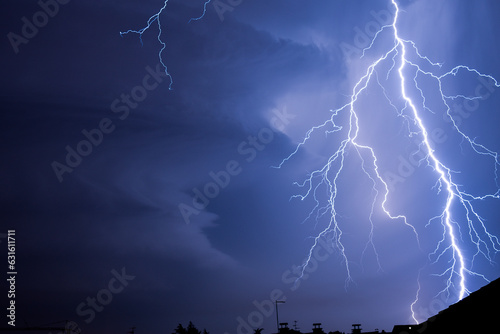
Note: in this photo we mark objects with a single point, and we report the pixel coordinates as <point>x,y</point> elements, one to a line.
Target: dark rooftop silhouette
<point>474,314</point>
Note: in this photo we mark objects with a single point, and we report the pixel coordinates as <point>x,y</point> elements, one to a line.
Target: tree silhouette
<point>258,331</point>
<point>180,330</point>
<point>190,329</point>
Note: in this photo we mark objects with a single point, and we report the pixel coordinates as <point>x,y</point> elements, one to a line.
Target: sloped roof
<point>477,313</point>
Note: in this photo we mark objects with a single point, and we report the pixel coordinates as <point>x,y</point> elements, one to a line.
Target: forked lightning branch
<point>404,64</point>
<point>403,57</point>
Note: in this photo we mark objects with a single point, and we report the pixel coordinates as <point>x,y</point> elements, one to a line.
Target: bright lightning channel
<point>328,176</point>
<point>457,269</point>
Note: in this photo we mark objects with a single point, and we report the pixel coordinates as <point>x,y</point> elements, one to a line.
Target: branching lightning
<point>448,249</point>
<point>156,18</point>
<point>151,20</point>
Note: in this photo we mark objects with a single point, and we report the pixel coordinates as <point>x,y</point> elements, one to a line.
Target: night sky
<point>161,206</point>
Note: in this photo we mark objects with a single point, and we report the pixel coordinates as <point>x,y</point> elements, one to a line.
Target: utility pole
<point>277,320</point>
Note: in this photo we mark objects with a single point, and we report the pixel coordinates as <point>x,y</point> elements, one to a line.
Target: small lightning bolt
<point>156,18</point>
<point>458,266</point>
<point>204,12</point>
<point>151,20</point>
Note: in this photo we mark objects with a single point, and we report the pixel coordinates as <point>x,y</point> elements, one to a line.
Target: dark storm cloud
<point>118,206</point>
<point>78,81</point>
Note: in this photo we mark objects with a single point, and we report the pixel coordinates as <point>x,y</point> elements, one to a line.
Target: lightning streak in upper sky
<point>151,20</point>
<point>448,249</point>
<point>156,18</point>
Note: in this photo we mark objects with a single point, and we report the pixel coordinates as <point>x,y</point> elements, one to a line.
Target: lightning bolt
<point>202,14</point>
<point>156,18</point>
<point>448,249</point>
<point>151,20</point>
